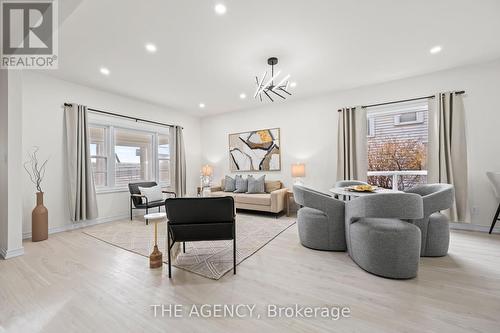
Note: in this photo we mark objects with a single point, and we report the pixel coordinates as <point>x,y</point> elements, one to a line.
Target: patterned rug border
<point>187,270</point>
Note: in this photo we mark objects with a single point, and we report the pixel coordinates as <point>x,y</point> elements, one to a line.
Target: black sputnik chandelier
<point>266,85</point>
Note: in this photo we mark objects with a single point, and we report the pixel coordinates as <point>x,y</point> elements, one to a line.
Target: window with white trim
<point>122,154</point>
<point>397,154</point>
<point>163,159</point>
<point>409,118</point>
<point>133,156</point>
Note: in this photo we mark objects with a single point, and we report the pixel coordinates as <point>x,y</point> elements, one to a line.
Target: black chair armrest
<point>169,192</point>
<point>139,196</point>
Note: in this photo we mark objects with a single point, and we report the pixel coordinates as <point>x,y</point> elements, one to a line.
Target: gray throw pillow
<point>229,184</point>
<point>256,185</point>
<point>241,184</point>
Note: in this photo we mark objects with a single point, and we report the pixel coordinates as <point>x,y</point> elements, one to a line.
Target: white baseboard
<point>472,227</point>
<point>78,225</point>
<point>82,224</point>
<point>7,254</point>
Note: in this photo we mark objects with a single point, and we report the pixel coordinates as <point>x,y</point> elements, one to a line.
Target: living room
<point>194,96</point>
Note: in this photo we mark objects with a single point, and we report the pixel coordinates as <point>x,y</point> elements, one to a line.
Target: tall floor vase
<point>39,220</point>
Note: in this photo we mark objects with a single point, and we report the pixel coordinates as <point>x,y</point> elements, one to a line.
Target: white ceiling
<point>325,45</point>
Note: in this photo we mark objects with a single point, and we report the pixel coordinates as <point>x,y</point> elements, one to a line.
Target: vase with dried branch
<point>40,214</point>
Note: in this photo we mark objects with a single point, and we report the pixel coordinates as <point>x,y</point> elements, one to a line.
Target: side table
<point>202,191</point>
<point>288,196</point>
<point>156,257</point>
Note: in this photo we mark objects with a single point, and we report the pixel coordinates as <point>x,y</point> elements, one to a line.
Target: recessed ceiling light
<point>220,9</point>
<point>202,105</point>
<point>436,49</point>
<point>151,48</point>
<point>293,84</point>
<point>105,71</point>
<point>243,96</point>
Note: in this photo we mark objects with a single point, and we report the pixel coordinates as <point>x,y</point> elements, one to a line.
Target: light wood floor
<point>75,283</point>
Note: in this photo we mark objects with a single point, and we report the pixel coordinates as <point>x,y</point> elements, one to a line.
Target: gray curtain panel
<point>82,196</point>
<point>447,161</point>
<point>352,151</point>
<point>179,160</point>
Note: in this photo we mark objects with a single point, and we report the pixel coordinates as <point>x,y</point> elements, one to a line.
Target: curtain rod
<point>406,100</point>
<point>126,117</point>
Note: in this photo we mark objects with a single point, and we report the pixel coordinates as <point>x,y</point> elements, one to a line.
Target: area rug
<point>211,259</point>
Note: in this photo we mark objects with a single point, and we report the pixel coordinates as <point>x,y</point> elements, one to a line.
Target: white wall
<point>43,97</point>
<point>309,128</point>
<point>10,164</point>
<point>4,107</point>
<point>4,176</point>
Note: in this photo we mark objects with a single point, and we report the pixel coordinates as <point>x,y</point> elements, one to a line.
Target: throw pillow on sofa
<point>241,184</point>
<point>272,185</point>
<point>256,185</point>
<point>229,184</point>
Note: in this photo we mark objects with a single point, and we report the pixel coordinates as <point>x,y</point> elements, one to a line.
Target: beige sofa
<point>272,201</point>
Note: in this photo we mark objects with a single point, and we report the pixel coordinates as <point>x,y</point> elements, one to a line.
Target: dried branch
<point>35,171</point>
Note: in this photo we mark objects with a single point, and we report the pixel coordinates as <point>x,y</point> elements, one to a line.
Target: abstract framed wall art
<point>255,150</point>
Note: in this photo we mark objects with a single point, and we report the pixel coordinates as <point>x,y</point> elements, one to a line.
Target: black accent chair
<point>200,219</point>
<point>139,201</point>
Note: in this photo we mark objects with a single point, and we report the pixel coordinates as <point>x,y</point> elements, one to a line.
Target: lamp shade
<point>298,170</point>
<point>207,170</point>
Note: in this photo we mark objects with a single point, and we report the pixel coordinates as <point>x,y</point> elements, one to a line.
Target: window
<point>409,118</point>
<point>397,154</point>
<point>98,156</point>
<point>164,158</point>
<point>121,155</point>
<point>133,156</point>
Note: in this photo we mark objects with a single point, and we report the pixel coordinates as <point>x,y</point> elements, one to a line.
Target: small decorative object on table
<point>362,188</point>
<point>156,257</point>
<point>40,214</point>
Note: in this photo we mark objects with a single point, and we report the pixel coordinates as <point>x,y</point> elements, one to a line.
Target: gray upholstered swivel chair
<point>344,183</point>
<point>494,178</point>
<point>378,238</point>
<point>320,220</point>
<point>434,226</point>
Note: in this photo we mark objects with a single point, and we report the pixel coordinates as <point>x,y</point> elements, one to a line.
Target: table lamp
<point>206,175</point>
<point>298,172</point>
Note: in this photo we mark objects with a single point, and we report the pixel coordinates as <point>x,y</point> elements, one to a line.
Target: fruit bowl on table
<point>362,188</point>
